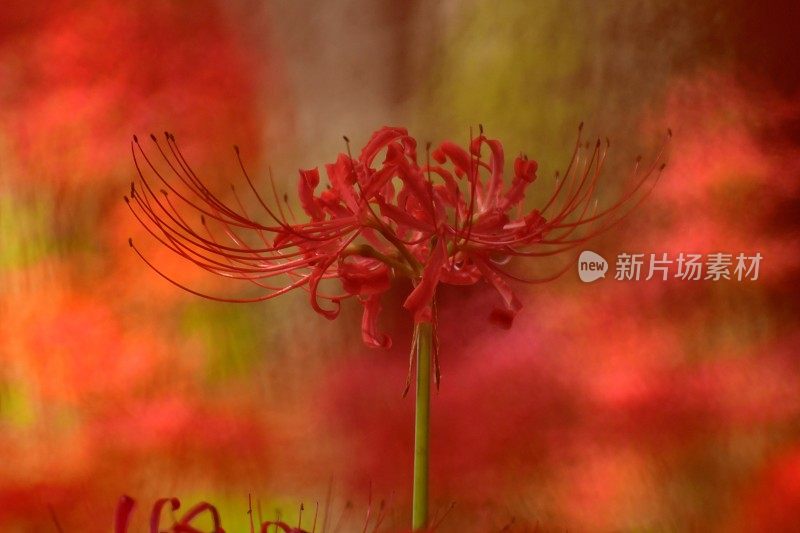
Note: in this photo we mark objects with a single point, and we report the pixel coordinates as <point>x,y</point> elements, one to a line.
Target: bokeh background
<point>608,407</point>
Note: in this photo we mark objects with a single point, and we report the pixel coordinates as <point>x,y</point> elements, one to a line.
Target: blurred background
<point>608,407</point>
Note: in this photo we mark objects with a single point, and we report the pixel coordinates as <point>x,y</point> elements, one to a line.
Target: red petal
<point>342,176</point>
<point>369,324</point>
<point>456,154</point>
<point>364,277</point>
<point>501,316</point>
<point>122,515</point>
<point>418,302</point>
<point>524,175</point>
<point>379,140</point>
<point>309,179</point>
<point>496,163</point>
<point>316,277</point>
<point>155,515</point>
<point>401,217</point>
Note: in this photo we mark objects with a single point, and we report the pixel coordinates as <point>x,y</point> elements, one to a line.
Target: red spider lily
<point>183,525</point>
<point>452,220</point>
<point>126,506</point>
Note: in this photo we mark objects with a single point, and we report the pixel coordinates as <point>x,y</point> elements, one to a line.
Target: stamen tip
<point>130,242</point>
<point>580,126</point>
<point>153,136</point>
<point>164,192</point>
<point>236,148</point>
<point>669,133</point>
<point>480,128</point>
<point>346,138</point>
<point>662,167</point>
<point>638,158</point>
<point>135,139</point>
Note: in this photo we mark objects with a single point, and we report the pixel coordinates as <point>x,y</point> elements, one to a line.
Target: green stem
<point>419,510</point>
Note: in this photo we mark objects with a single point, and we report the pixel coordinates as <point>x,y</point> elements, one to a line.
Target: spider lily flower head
<point>451,216</point>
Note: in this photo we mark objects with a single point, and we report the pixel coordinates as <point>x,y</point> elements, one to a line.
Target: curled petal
<point>122,515</point>
<point>379,140</point>
<point>524,175</point>
<point>529,229</point>
<point>460,158</point>
<point>525,168</point>
<point>496,163</point>
<point>309,179</point>
<point>184,524</point>
<point>369,324</point>
<point>417,186</point>
<point>158,507</point>
<point>341,175</point>
<point>403,218</point>
<point>316,277</point>
<point>378,180</point>
<point>364,276</point>
<point>502,316</point>
<point>419,301</point>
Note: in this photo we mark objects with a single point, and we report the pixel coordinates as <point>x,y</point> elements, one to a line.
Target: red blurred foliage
<point>82,77</point>
<point>102,398</point>
<point>105,403</point>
